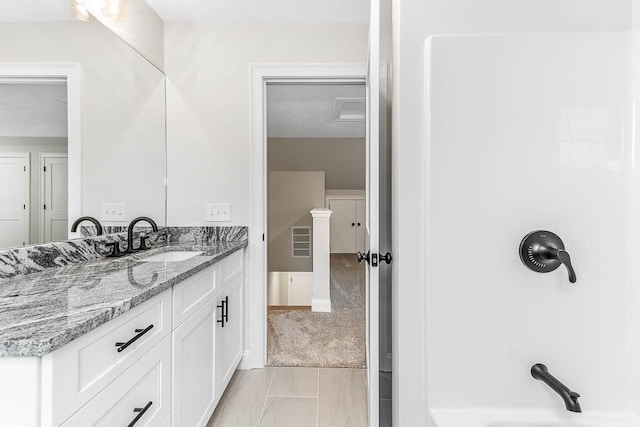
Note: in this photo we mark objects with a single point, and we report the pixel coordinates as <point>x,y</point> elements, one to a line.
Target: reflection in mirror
<point>33,160</point>
<point>82,126</point>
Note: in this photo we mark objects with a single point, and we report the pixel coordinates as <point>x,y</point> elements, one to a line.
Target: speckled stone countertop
<point>43,311</point>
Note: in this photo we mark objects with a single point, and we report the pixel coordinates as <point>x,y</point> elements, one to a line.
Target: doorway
<point>316,162</point>
<point>33,160</point>
<point>376,206</point>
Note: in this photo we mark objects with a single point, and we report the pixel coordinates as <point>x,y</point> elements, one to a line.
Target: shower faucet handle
<point>543,251</point>
<point>563,257</point>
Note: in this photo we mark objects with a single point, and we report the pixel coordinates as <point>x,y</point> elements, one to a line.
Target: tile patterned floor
<point>300,397</point>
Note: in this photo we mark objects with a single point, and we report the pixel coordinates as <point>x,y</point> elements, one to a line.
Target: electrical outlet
<point>113,212</point>
<point>218,212</point>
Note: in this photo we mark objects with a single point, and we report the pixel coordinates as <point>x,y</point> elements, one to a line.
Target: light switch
<point>218,212</point>
<point>113,212</point>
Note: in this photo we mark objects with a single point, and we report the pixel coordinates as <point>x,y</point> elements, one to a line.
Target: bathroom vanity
<point>151,339</point>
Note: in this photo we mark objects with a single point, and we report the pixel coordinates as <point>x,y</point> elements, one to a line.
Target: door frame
<point>51,72</point>
<point>41,211</point>
<point>255,355</point>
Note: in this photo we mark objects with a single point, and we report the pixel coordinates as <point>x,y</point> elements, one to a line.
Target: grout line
<point>318,399</point>
<point>264,405</point>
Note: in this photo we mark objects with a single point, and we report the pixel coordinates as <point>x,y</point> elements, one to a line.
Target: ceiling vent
<point>349,110</point>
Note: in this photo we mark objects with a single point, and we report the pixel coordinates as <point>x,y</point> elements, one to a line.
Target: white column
<point>321,300</point>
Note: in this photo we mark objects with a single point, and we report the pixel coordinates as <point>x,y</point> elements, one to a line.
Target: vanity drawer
<point>85,366</point>
<point>146,384</point>
<point>231,266</point>
<point>190,295</point>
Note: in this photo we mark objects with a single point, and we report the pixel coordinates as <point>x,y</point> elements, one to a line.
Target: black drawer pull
<point>221,307</point>
<point>139,332</point>
<point>140,412</point>
<point>226,309</point>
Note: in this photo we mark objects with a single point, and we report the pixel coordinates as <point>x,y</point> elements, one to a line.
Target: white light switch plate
<point>113,212</point>
<point>218,212</point>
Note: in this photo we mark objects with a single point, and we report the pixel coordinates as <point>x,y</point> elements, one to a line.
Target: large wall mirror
<point>82,125</point>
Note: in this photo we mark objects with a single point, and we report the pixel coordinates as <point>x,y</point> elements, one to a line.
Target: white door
<point>342,226</point>
<point>373,212</point>
<point>14,199</point>
<point>55,197</point>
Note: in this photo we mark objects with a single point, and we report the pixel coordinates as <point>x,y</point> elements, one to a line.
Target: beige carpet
<point>323,340</point>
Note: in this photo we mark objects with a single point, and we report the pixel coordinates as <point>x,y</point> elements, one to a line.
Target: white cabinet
<point>207,346</point>
<point>165,362</point>
<point>229,348</point>
<point>75,373</point>
<point>347,225</point>
<point>194,347</point>
<point>142,393</point>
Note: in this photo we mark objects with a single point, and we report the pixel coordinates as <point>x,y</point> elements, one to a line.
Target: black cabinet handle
<point>139,332</point>
<point>140,412</point>
<point>222,306</point>
<point>386,258</point>
<point>226,309</point>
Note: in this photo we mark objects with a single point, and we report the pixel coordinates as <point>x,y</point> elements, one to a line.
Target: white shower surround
<point>532,132</point>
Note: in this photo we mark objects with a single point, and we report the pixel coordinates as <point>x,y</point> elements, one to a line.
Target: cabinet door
<point>142,392</point>
<point>229,346</point>
<point>194,391</point>
<point>360,225</point>
<point>343,226</point>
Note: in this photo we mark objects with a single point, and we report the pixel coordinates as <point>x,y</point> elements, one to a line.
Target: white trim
<point>261,74</point>
<point>321,213</point>
<point>42,197</point>
<point>321,305</point>
<point>70,72</point>
<point>327,199</point>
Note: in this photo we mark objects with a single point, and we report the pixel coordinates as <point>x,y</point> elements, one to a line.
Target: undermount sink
<point>172,256</point>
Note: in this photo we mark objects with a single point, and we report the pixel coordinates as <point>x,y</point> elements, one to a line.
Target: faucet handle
<point>563,257</point>
<point>115,251</point>
<point>143,245</point>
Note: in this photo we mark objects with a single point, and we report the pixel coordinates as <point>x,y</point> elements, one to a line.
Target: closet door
<point>343,226</point>
<point>360,225</point>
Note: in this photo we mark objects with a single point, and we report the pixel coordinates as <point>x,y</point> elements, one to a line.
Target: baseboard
<point>321,305</point>
<point>245,362</point>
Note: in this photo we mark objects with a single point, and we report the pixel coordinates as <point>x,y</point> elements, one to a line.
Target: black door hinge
<point>45,206</point>
<point>45,168</point>
<point>263,237</point>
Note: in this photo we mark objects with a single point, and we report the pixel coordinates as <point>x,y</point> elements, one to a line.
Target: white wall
<point>532,132</point>
<point>142,28</point>
<point>34,146</point>
<point>122,111</point>
<point>341,159</point>
<point>209,103</point>
<point>291,196</point>
<point>414,21</point>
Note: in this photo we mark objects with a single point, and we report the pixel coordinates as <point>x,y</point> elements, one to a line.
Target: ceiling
<point>35,11</point>
<point>33,110</point>
<point>278,11</point>
<point>315,111</point>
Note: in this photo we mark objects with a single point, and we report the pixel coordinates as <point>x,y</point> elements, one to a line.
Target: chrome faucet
<point>143,246</point>
<point>95,222</point>
<point>570,398</point>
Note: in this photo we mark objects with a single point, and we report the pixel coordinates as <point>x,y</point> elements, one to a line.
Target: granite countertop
<point>43,311</point>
